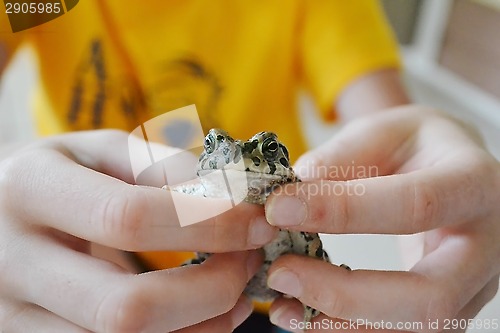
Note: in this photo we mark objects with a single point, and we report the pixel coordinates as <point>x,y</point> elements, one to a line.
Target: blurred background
<point>451,54</point>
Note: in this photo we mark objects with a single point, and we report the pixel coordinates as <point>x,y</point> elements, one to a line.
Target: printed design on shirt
<point>93,89</point>
<point>186,81</point>
<point>179,82</point>
<point>90,74</point>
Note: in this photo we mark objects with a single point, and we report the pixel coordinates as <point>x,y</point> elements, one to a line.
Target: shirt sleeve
<point>339,42</point>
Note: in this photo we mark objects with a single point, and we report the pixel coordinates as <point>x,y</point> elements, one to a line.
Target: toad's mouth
<point>242,173</point>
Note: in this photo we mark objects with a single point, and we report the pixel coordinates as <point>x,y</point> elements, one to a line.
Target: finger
<point>384,143</point>
<point>343,298</point>
<point>397,204</point>
<point>356,149</point>
<point>436,288</point>
<point>119,154</point>
<point>288,314</point>
<point>105,151</point>
<point>193,294</point>
<point>475,305</point>
<point>21,318</point>
<point>226,322</point>
<point>116,301</point>
<point>102,209</point>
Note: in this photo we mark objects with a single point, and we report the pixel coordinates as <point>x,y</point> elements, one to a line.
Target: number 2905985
<point>33,8</point>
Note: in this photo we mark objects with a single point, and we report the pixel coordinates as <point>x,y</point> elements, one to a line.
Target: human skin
<point>44,252</point>
<point>59,195</point>
<point>435,177</point>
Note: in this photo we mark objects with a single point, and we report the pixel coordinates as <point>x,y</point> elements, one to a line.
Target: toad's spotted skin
<point>265,163</point>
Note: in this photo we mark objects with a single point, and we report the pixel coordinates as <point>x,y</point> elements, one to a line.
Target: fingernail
<point>285,211</point>
<point>261,232</point>
<point>241,311</point>
<point>285,281</point>
<point>283,317</point>
<point>254,262</point>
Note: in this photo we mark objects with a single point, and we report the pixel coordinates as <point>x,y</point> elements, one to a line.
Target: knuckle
<point>441,305</point>
<point>126,311</point>
<point>425,206</point>
<point>234,281</point>
<point>480,163</point>
<point>340,213</point>
<point>222,225</point>
<point>121,220</point>
<point>360,125</point>
<point>11,315</point>
<point>5,314</point>
<point>479,174</point>
<point>311,165</point>
<point>333,305</point>
<point>491,289</point>
<point>16,172</point>
<point>132,315</point>
<point>113,135</point>
<point>234,288</point>
<point>230,299</point>
<point>218,231</point>
<point>5,266</point>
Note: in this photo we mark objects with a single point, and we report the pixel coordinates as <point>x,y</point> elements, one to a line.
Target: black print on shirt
<point>93,65</point>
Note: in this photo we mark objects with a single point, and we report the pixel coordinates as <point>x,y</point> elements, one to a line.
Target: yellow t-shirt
<point>115,64</point>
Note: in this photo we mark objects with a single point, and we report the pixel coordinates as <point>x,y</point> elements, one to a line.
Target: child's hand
<point>58,195</point>
<point>438,179</point>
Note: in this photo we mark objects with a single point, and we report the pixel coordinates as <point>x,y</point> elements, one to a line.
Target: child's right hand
<point>60,194</point>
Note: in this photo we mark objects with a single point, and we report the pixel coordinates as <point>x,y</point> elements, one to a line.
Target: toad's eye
<point>270,149</point>
<point>209,144</point>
